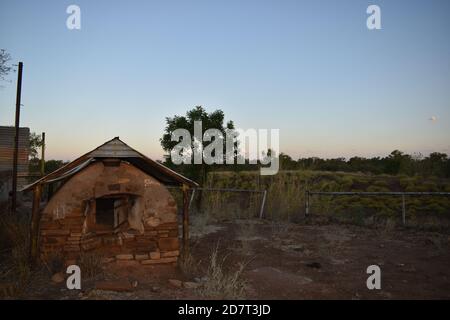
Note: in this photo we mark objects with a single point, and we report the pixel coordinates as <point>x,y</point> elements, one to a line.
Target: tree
<point>35,144</point>
<point>5,67</point>
<point>398,162</point>
<point>213,120</point>
<point>435,164</point>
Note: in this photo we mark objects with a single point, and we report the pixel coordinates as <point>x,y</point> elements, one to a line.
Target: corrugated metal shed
<point>7,149</point>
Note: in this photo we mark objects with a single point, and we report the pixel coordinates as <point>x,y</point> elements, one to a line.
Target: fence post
<point>192,197</point>
<point>185,189</point>
<point>261,211</point>
<point>306,203</point>
<point>403,209</point>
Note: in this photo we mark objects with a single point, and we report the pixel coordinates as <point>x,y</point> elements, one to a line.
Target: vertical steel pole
<point>43,155</point>
<point>16,139</point>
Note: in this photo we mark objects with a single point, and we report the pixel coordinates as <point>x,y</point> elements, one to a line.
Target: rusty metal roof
<point>116,148</point>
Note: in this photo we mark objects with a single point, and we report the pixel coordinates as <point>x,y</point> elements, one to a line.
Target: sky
<point>311,69</point>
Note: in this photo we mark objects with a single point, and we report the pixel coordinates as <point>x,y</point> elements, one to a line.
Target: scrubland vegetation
<point>15,270</point>
<point>286,197</point>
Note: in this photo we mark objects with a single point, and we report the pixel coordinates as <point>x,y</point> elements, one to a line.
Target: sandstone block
<point>162,260</point>
<point>124,257</point>
<point>174,253</point>
<point>168,244</point>
<point>155,255</point>
<point>141,256</point>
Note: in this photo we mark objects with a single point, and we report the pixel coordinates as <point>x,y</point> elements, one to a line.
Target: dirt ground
<point>288,261</point>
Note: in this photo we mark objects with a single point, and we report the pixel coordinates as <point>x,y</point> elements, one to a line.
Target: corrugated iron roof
<point>116,148</point>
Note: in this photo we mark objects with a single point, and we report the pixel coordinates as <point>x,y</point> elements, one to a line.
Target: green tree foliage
<point>34,163</point>
<point>35,145</point>
<point>396,163</point>
<point>213,120</point>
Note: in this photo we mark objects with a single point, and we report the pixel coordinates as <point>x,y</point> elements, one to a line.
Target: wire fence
<point>225,203</point>
<point>403,195</point>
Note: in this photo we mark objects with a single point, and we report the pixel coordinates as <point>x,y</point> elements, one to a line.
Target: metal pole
<point>43,155</point>
<point>403,210</point>
<point>261,211</point>
<point>16,139</point>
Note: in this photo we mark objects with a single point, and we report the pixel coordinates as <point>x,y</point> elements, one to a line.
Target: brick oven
<point>112,200</point>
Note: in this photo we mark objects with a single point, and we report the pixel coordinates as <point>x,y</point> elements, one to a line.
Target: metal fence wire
<point>225,203</point>
<point>403,195</point>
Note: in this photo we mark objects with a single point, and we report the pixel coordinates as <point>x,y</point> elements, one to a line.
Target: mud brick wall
<point>150,235</point>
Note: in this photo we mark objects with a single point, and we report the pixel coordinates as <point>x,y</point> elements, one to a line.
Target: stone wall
<point>150,234</point>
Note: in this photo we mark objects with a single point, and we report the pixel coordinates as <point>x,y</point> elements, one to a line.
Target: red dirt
<point>294,262</point>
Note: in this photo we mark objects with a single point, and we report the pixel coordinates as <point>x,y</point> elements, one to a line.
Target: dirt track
<point>295,262</point>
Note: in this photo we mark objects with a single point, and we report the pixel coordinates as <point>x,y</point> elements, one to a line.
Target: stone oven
<point>113,200</point>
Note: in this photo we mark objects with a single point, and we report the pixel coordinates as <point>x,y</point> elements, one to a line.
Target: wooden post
<point>34,226</point>
<point>403,209</point>
<point>49,191</point>
<point>43,155</point>
<point>16,139</point>
<point>185,217</point>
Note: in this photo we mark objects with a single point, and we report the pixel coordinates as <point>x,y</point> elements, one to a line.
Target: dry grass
<point>279,229</point>
<point>286,197</point>
<point>14,256</point>
<point>245,234</point>
<point>198,223</point>
<point>222,283</point>
<point>90,264</point>
<point>53,262</point>
<point>187,263</point>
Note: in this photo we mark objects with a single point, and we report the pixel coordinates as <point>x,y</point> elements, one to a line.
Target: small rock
<point>176,283</point>
<point>191,285</point>
<point>58,277</point>
<point>156,289</point>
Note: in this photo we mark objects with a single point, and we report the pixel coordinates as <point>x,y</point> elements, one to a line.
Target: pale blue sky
<point>309,68</point>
